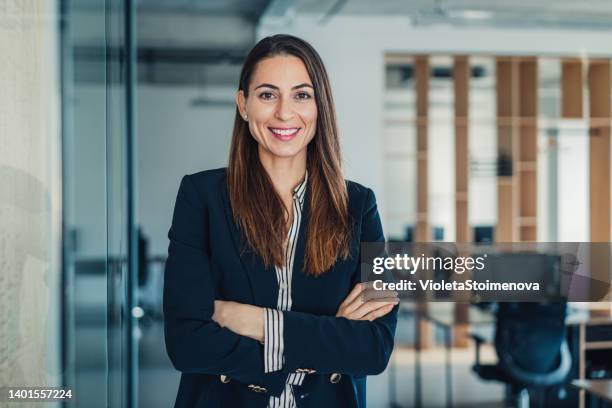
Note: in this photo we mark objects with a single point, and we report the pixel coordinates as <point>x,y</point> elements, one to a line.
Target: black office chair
<point>531,348</point>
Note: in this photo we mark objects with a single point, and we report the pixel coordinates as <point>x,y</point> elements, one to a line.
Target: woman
<point>263,303</point>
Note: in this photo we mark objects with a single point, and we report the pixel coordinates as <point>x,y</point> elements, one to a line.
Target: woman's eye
<point>266,95</point>
<point>303,95</point>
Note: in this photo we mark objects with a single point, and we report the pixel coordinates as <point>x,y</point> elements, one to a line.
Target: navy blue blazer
<point>206,261</point>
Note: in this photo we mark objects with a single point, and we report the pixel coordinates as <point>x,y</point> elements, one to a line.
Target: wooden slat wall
<point>461,83</point>
<point>528,149</point>
<point>517,113</point>
<point>507,148</point>
<point>571,88</point>
<point>599,150</point>
<point>422,230</point>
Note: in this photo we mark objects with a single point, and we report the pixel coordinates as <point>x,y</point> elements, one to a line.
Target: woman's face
<point>281,108</point>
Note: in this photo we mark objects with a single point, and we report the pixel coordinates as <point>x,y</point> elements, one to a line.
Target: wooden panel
<point>422,189</point>
<point>461,78</point>
<point>528,87</point>
<point>421,76</point>
<point>528,148</point>
<point>505,229</point>
<point>422,230</point>
<point>461,161</point>
<point>464,233</point>
<point>571,88</point>
<point>505,87</point>
<point>528,194</point>
<point>509,110</point>
<point>599,184</point>
<point>599,151</point>
<point>421,139</point>
<point>599,89</point>
<point>528,233</point>
<point>461,82</point>
<point>529,143</point>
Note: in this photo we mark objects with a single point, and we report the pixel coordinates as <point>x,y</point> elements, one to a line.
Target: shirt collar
<point>300,191</point>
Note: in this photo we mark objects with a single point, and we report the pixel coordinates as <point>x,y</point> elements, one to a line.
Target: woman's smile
<point>284,134</point>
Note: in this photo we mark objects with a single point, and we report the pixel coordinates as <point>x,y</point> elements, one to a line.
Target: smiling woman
<point>283,109</point>
<point>262,284</point>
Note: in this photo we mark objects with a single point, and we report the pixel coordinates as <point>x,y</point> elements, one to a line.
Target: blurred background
<point>472,121</point>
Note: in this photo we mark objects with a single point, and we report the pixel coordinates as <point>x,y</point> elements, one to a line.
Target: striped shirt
<point>273,318</point>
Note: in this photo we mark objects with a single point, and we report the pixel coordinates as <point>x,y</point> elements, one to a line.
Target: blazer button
<point>224,379</point>
<point>257,388</point>
<point>335,378</point>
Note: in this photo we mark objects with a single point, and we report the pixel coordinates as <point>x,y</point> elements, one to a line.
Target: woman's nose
<point>284,110</point>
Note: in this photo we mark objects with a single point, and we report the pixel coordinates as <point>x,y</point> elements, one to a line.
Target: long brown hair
<point>256,205</point>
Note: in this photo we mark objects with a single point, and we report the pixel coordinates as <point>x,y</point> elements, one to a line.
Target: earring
<point>245,117</point>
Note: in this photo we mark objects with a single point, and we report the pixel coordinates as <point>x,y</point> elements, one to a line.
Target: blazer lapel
<point>264,285</point>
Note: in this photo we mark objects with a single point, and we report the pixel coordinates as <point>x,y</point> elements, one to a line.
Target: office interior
<point>472,121</point>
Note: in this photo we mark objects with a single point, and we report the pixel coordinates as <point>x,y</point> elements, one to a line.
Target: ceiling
<point>581,14</point>
<point>204,41</point>
<point>242,7</point>
<point>411,7</point>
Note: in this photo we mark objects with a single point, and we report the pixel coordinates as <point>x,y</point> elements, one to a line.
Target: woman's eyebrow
<point>304,85</point>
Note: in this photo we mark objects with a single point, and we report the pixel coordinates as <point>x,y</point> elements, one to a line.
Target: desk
<point>598,389</point>
<point>578,322</point>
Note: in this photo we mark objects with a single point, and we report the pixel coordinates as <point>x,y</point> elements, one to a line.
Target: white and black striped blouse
<point>273,320</point>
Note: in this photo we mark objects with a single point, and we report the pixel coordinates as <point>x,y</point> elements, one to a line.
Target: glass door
<point>100,345</point>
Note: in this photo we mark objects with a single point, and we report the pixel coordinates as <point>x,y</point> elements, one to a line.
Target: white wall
<point>174,139</point>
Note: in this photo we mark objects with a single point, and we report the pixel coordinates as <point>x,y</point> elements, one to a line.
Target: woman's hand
<point>366,303</point>
<point>242,319</point>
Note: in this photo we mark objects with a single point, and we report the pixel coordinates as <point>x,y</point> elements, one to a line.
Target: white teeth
<point>284,132</point>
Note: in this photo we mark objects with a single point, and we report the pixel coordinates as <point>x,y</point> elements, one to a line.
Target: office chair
<point>531,347</point>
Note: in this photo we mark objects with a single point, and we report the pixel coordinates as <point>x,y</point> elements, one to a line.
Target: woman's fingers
<point>352,301</point>
<point>373,294</point>
<point>353,294</point>
<point>370,306</point>
<point>380,312</point>
<point>364,299</point>
<point>369,295</point>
